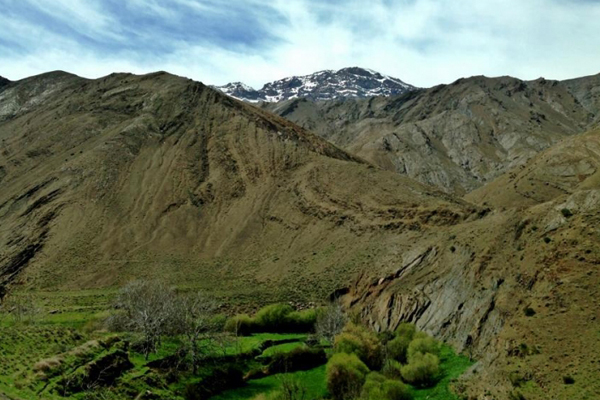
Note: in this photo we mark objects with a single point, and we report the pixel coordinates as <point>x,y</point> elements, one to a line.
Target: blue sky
<point>424,42</point>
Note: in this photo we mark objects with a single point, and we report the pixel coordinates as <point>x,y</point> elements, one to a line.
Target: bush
<point>346,375</point>
<point>422,370</point>
<point>299,359</point>
<point>397,348</point>
<point>357,339</point>
<point>566,213</point>
<point>423,345</point>
<point>273,317</point>
<point>301,321</point>
<point>377,387</point>
<point>392,369</point>
<point>406,330</point>
<point>241,325</point>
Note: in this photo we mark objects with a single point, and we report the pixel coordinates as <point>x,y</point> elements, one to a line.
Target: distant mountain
<point>353,82</point>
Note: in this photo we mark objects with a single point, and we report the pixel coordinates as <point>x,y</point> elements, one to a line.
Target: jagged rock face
<point>104,180</point>
<point>457,137</point>
<point>351,82</point>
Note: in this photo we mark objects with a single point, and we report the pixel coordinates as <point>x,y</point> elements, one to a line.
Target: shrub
<point>530,312</point>
<point>301,321</point>
<point>392,369</point>
<point>377,387</point>
<point>406,330</point>
<point>273,317</point>
<point>397,348</point>
<point>299,359</point>
<point>568,380</point>
<point>361,341</point>
<point>422,370</point>
<point>346,375</point>
<point>423,345</point>
<point>566,212</point>
<point>241,325</point>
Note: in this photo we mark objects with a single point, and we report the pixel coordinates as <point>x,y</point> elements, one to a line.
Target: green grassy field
<point>68,322</point>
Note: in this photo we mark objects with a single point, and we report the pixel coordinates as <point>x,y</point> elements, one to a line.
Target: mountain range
<point>353,82</point>
<point>470,209</point>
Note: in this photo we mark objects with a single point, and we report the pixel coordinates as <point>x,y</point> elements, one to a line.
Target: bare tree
<point>196,322</point>
<point>148,307</point>
<point>22,307</point>
<point>330,321</point>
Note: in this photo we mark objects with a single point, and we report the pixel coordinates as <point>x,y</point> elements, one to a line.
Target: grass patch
<point>281,348</point>
<point>452,366</point>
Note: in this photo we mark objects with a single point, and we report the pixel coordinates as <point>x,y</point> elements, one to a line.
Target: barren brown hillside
<point>157,175</point>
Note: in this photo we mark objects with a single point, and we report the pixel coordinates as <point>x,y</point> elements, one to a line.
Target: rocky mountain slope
<point>531,321</point>
<point>353,82</point>
<point>458,136</point>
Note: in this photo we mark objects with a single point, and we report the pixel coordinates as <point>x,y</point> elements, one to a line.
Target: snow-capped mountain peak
<point>322,85</point>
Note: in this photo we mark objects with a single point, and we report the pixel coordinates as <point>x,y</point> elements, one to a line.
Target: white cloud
<point>424,42</point>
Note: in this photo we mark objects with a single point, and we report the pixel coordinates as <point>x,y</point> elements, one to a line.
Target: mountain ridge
<point>351,82</point>
<point>457,136</point>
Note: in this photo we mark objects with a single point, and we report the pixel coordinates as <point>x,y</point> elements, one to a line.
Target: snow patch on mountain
<point>322,85</point>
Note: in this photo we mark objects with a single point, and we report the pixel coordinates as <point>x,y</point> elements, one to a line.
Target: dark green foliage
<point>240,325</point>
<point>422,370</point>
<point>378,387</point>
<point>346,375</point>
<point>566,212</point>
<point>359,340</point>
<point>274,318</point>
<point>568,380</point>
<point>397,348</point>
<point>530,312</point>
<point>392,369</point>
<point>406,330</point>
<point>422,343</point>
<point>220,379</point>
<point>547,239</point>
<point>299,359</point>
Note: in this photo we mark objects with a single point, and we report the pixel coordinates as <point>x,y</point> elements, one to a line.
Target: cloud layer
<point>423,42</point>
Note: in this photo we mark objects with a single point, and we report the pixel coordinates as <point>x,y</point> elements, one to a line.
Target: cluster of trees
<point>370,366</point>
<point>154,310</point>
<point>363,364</point>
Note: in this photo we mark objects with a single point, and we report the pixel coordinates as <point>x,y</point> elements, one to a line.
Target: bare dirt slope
<point>157,175</point>
<point>457,137</point>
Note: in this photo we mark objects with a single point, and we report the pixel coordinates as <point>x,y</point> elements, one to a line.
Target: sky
<point>423,42</point>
